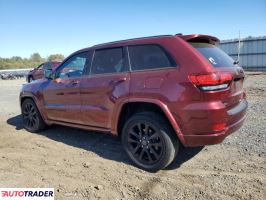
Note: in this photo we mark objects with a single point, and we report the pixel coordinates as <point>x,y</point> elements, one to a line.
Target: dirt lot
<point>86,165</point>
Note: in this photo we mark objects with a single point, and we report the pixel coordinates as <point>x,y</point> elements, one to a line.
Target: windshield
<point>214,55</point>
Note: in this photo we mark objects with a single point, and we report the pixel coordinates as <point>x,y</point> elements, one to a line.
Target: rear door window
<point>108,61</point>
<point>144,57</point>
<point>214,55</point>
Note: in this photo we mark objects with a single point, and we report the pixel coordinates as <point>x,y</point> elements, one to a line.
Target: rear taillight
<point>211,81</point>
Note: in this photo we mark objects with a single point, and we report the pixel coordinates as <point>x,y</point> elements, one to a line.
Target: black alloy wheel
<point>31,117</point>
<point>149,141</point>
<point>30,79</point>
<point>145,143</point>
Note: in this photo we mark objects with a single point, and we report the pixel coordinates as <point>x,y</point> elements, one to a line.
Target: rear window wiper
<point>236,62</point>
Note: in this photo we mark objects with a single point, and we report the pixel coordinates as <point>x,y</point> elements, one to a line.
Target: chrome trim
<point>155,69</point>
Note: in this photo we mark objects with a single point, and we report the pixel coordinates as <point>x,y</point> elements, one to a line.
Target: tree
<point>36,57</point>
<point>56,57</point>
<point>16,58</point>
<point>34,61</point>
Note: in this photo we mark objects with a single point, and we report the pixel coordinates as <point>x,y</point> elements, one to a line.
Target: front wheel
<point>31,117</point>
<point>29,79</point>
<point>149,141</point>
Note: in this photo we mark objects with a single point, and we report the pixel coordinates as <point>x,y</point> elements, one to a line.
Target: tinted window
<point>148,57</point>
<point>74,66</point>
<point>87,67</point>
<point>108,61</point>
<point>46,66</point>
<point>50,65</point>
<point>214,55</point>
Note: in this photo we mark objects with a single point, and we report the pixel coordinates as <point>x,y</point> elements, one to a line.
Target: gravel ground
<point>85,165</point>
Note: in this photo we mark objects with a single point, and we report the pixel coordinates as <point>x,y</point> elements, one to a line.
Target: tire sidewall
<point>37,127</point>
<point>167,142</point>
<point>30,79</point>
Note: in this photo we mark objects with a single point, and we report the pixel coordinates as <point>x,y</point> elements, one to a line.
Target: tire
<point>31,117</point>
<point>30,79</point>
<point>149,141</point>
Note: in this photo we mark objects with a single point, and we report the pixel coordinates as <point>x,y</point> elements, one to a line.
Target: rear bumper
<point>234,119</point>
<point>215,138</point>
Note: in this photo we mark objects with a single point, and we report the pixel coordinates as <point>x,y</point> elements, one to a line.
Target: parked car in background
<point>38,72</point>
<point>154,93</point>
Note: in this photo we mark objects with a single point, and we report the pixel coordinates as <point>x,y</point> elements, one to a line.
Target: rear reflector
<point>212,81</point>
<point>219,127</point>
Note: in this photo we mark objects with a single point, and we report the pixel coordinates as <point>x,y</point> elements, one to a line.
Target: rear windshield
<point>214,55</point>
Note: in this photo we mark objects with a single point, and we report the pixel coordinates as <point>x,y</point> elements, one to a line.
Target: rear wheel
<point>30,79</point>
<point>149,141</point>
<point>31,118</point>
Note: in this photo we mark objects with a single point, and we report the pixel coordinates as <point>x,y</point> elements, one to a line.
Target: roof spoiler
<point>200,38</point>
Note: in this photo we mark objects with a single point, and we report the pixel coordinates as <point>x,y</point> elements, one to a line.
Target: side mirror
<point>48,73</point>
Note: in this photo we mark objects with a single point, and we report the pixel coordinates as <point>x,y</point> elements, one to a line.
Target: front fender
<point>37,100</point>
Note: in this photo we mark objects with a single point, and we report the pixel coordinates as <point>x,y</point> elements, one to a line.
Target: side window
<point>149,57</point>
<point>108,61</point>
<point>47,66</point>
<point>87,67</point>
<point>74,66</point>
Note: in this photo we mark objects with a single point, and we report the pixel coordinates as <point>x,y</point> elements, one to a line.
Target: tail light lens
<point>212,81</point>
<point>219,127</point>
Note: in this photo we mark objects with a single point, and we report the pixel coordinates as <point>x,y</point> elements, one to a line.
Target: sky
<point>64,26</point>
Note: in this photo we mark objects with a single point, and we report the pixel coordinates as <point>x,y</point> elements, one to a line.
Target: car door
<point>62,94</point>
<point>38,73</point>
<point>105,87</point>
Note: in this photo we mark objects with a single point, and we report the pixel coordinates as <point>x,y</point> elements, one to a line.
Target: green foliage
<point>36,57</point>
<point>35,60</point>
<point>56,57</point>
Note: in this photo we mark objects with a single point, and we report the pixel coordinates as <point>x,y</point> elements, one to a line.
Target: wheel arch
<point>31,96</point>
<point>127,109</point>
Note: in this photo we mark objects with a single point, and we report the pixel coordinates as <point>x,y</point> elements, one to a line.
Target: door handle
<point>117,81</point>
<point>59,81</point>
<point>73,83</point>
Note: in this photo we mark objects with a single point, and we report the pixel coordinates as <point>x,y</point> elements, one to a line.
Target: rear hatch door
<point>223,64</point>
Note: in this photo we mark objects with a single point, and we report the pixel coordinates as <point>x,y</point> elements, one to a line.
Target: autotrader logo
<point>27,193</point>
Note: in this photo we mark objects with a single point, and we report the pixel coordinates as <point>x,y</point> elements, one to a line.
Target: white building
<point>252,55</point>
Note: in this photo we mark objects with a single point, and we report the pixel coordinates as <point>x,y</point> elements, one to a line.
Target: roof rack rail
<point>132,39</point>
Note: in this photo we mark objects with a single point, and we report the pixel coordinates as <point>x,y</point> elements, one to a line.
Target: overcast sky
<point>64,26</point>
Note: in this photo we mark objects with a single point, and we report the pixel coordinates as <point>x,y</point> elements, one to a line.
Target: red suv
<point>153,92</point>
<point>38,72</point>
